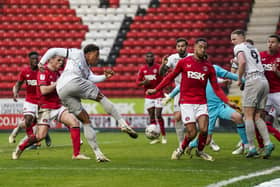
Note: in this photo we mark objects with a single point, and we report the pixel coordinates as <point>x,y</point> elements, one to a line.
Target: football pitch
<point>133,163</point>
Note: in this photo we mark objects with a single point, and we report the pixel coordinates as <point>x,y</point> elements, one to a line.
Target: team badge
<point>205,68</point>
<point>27,75</point>
<point>189,65</point>
<point>42,77</point>
<point>187,118</point>
<point>155,70</point>
<point>145,71</point>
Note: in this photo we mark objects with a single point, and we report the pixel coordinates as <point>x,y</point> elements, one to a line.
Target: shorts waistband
<point>254,75</point>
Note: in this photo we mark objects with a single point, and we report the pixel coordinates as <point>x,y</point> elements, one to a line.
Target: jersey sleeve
<point>222,73</point>
<point>140,76</point>
<point>21,76</point>
<point>218,91</point>
<point>169,62</point>
<point>96,78</point>
<point>237,49</point>
<point>52,52</point>
<point>174,92</point>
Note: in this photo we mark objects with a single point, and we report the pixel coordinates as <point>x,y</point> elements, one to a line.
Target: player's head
<point>150,58</point>
<point>200,47</point>
<point>249,41</point>
<point>237,36</point>
<point>56,62</point>
<point>181,46</point>
<point>33,59</point>
<point>273,43</point>
<point>91,52</point>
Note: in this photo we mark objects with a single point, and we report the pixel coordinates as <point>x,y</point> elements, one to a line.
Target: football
<point>152,132</point>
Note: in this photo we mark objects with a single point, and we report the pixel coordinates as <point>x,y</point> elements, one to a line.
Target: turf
<point>134,163</point>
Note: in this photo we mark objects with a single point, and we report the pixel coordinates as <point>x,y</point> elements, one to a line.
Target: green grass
<point>134,163</point>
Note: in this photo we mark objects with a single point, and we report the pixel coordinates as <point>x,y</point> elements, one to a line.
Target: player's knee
<point>28,121</point>
<point>237,118</point>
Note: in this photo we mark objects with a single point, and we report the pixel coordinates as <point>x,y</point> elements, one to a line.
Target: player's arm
<point>167,80</point>
<point>140,80</point>
<point>241,63</point>
<point>222,73</point>
<point>108,73</point>
<point>64,52</point>
<point>276,70</point>
<point>46,89</point>
<point>171,95</point>
<point>163,68</point>
<point>234,65</point>
<point>218,91</point>
<point>16,89</point>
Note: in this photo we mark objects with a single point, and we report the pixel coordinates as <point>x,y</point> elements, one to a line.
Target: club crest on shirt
<point>205,68</point>
<point>145,71</point>
<point>189,65</point>
<point>187,118</point>
<point>42,77</point>
<point>27,75</point>
<point>155,70</point>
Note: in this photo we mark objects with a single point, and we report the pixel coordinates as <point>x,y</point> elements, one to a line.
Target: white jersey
<point>253,60</point>
<point>172,62</point>
<point>76,66</point>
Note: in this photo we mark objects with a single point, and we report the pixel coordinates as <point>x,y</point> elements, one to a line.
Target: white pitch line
<point>109,169</point>
<point>243,177</point>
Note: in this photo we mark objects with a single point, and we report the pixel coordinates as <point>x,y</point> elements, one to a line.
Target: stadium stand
<point>157,29</point>
<point>34,25</point>
<point>124,30</point>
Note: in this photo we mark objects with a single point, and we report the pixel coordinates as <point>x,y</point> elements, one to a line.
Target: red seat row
<point>40,19</point>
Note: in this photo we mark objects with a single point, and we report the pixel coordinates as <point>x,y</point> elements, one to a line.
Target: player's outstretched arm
<point>53,52</point>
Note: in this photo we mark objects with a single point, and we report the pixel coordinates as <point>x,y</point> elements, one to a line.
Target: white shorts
<point>46,115</point>
<point>273,104</point>
<point>190,112</point>
<point>176,103</point>
<point>150,103</point>
<point>30,109</point>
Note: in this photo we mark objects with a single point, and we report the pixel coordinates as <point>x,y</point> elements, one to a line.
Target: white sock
<point>16,131</point>
<point>110,108</point>
<point>90,135</point>
<point>250,131</point>
<point>180,131</point>
<point>263,131</point>
<point>122,123</point>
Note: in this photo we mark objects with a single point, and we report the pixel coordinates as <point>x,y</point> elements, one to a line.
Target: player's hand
<point>274,67</point>
<point>146,82</point>
<point>227,82</point>
<point>15,96</point>
<point>166,99</point>
<point>108,73</point>
<point>233,105</point>
<point>151,91</point>
<point>164,59</point>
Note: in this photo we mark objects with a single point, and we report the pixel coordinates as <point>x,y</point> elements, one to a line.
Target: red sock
<point>161,125</point>
<point>273,131</point>
<point>29,130</point>
<point>29,141</point>
<point>153,122</point>
<point>75,136</point>
<point>185,142</point>
<point>259,138</point>
<point>202,137</point>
